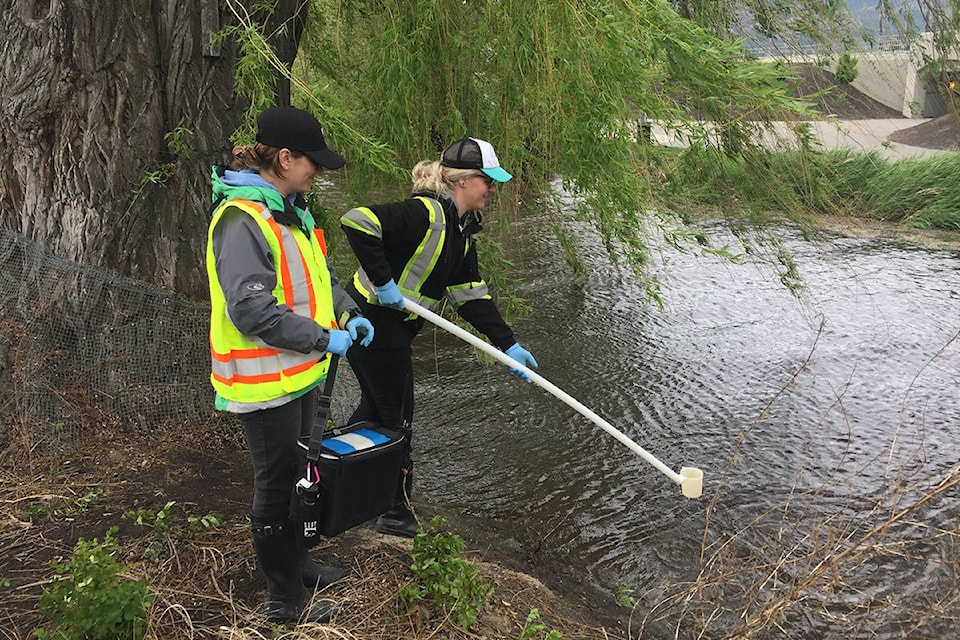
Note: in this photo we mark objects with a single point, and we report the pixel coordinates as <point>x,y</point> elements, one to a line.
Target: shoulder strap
<point>323,411</point>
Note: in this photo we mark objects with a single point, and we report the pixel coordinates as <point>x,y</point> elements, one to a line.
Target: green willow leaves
<point>559,87</point>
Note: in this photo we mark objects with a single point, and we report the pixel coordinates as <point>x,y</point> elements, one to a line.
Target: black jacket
<point>402,228</point>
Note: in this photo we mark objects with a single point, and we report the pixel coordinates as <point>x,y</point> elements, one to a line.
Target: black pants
<point>272,436</point>
<point>385,368</point>
<point>385,372</point>
<point>386,386</point>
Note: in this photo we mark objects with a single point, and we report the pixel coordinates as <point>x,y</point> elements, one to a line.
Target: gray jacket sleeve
<point>344,307</point>
<point>245,269</point>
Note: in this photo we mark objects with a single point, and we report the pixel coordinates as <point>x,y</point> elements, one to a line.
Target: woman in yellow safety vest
<point>277,313</point>
<point>424,249</point>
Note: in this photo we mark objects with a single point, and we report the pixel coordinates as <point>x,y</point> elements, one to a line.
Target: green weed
<point>163,520</point>
<point>89,600</point>
<point>534,627</point>
<point>623,597</point>
<point>447,582</point>
<point>58,508</point>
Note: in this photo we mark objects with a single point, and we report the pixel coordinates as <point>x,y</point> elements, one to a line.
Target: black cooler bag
<point>359,469</point>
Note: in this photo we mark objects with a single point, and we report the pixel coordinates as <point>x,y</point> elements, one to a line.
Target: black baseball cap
<point>297,130</point>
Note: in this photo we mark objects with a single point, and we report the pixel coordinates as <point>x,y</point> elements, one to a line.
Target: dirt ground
<point>206,582</point>
<point>846,103</point>
<point>942,134</point>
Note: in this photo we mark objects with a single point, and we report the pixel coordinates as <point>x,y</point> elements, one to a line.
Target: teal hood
<point>249,185</point>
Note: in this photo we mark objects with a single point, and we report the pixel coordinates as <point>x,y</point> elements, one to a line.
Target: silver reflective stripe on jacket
<point>421,263</point>
<point>462,293</point>
<point>424,259</point>
<point>365,220</point>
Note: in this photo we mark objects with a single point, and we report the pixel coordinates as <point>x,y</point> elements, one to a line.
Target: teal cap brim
<point>497,174</point>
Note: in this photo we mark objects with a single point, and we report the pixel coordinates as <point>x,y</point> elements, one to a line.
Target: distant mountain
<point>868,14</point>
<point>868,27</point>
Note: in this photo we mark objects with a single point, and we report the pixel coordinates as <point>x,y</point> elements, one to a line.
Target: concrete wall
<point>888,78</point>
<point>892,78</point>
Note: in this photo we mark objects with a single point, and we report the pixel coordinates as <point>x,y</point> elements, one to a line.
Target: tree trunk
<point>90,91</point>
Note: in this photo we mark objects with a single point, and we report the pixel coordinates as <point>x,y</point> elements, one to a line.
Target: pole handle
<point>685,481</point>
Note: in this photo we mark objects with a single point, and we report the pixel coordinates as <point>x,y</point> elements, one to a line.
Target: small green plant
<point>160,521</point>
<point>57,508</point>
<point>846,68</point>
<point>533,627</point>
<point>623,597</point>
<point>35,512</point>
<point>88,599</point>
<point>176,141</point>
<point>163,520</point>
<point>446,581</point>
<point>91,498</point>
<point>203,523</point>
<point>4,582</point>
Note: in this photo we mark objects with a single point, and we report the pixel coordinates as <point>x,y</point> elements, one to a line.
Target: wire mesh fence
<point>82,348</point>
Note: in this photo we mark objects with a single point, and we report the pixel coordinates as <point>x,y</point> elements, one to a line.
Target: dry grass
<point>794,566</point>
<point>205,582</point>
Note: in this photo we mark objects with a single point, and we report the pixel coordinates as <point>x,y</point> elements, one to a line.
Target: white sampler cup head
<point>691,483</point>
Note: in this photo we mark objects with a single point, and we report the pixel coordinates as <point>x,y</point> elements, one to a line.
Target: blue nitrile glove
<point>522,356</point>
<point>360,326</point>
<point>340,341</point>
<point>389,295</point>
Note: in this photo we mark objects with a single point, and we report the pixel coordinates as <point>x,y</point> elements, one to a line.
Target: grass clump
<point>920,193</point>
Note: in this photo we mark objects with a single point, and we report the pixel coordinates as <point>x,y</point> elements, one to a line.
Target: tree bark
<point>90,90</point>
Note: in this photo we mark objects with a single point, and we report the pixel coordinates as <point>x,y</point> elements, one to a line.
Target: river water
<point>813,421</point>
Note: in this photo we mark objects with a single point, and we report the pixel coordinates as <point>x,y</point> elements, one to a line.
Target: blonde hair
<point>433,177</point>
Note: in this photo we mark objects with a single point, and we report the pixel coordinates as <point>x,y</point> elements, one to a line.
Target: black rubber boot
<point>318,576</point>
<point>400,521</point>
<point>287,598</point>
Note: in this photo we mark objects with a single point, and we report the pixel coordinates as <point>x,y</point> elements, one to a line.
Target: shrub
<point>846,68</point>
<point>90,601</point>
<point>447,581</point>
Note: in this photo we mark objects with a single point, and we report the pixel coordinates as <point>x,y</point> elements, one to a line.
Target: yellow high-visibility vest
<point>245,368</point>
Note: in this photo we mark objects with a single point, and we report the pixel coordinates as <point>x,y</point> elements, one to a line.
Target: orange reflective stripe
<point>266,377</point>
<point>321,239</point>
<point>300,368</point>
<point>242,379</point>
<point>243,354</point>
<point>311,298</point>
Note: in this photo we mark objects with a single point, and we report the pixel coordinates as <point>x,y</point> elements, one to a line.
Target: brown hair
<point>260,156</point>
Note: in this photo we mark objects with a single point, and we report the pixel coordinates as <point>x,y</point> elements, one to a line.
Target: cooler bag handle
<point>323,405</point>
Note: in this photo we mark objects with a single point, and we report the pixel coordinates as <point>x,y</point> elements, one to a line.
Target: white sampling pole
<point>690,479</point>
